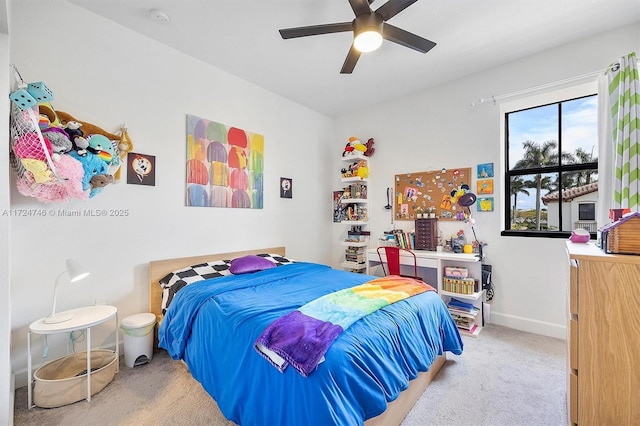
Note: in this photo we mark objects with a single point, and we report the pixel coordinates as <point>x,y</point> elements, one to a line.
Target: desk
<point>83,318</point>
<point>438,260</point>
<point>425,259</point>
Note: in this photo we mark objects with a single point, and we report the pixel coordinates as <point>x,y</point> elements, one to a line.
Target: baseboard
<point>530,325</point>
<point>12,397</point>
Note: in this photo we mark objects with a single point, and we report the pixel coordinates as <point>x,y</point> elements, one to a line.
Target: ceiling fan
<point>369,28</point>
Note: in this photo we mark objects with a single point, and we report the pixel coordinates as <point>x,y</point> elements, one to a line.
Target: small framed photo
<point>485,170</point>
<point>286,187</point>
<point>485,186</point>
<point>485,204</point>
<point>141,169</point>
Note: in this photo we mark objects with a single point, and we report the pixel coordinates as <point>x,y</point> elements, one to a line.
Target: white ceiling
<point>241,37</point>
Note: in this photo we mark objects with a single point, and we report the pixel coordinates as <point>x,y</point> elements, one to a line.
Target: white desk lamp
<point>76,273</point>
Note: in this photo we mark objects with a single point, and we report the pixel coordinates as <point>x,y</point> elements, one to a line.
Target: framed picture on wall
<point>485,204</point>
<point>286,187</point>
<point>141,169</point>
<point>485,170</point>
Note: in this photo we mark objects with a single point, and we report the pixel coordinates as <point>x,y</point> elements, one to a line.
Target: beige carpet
<point>504,377</point>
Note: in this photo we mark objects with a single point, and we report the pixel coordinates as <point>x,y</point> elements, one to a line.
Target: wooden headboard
<point>159,268</point>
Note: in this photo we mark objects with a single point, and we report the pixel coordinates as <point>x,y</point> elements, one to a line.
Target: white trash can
<point>138,338</point>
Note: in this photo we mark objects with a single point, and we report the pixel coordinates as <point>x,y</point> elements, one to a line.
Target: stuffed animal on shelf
<point>363,170</point>
<point>370,149</point>
<point>353,146</point>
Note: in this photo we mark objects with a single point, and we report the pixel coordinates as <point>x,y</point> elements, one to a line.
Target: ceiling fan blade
<point>350,61</point>
<point>360,7</point>
<point>406,39</point>
<point>393,7</point>
<point>316,30</point>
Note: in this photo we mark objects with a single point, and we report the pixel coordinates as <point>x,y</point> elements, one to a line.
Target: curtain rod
<point>494,99</point>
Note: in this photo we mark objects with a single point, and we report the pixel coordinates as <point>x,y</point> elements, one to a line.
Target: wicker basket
<point>64,380</point>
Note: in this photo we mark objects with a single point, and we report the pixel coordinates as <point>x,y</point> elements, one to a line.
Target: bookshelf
<point>460,286</point>
<point>354,205</point>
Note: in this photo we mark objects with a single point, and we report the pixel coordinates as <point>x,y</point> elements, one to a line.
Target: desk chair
<point>392,254</point>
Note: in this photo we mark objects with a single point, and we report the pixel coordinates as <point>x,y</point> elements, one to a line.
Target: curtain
<point>624,101</point>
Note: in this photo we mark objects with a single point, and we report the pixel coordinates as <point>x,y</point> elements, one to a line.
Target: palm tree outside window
<point>551,167</point>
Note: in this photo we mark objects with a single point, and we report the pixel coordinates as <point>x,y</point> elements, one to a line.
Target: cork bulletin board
<point>433,191</point>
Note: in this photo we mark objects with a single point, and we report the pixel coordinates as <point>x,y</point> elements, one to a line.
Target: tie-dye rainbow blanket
<point>302,337</point>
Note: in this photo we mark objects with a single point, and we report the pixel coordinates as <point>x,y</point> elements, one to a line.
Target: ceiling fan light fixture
<point>367,30</point>
<point>368,41</point>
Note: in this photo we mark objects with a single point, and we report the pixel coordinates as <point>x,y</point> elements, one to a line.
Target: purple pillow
<point>250,263</point>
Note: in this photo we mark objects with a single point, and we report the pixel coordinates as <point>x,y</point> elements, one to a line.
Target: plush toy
<point>357,145</point>
<point>38,168</point>
<point>29,146</point>
<point>87,128</point>
<point>103,148</point>
<point>363,170</point>
<point>353,146</point>
<point>370,149</point>
<point>99,181</point>
<point>67,186</point>
<point>125,146</point>
<point>60,142</point>
<point>76,136</point>
<point>93,166</point>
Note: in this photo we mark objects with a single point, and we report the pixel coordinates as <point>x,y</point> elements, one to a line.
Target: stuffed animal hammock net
<point>46,168</point>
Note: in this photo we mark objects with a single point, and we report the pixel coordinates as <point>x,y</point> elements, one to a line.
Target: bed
<point>372,374</point>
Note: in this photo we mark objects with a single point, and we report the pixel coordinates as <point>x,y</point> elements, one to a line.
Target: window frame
<point>539,100</point>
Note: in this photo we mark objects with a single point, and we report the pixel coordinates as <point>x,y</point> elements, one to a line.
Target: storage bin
<point>138,338</point>
<point>64,381</point>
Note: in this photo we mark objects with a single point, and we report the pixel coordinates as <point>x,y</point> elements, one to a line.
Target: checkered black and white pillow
<point>176,280</point>
<point>277,259</point>
<point>181,278</point>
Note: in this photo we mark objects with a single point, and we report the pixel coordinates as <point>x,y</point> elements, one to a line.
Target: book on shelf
<point>405,240</point>
<point>460,304</point>
<point>468,314</point>
<point>472,329</point>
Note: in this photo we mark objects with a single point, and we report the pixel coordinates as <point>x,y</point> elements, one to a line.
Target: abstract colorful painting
<point>225,165</point>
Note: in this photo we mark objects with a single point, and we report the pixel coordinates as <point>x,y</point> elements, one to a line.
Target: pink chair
<point>392,255</point>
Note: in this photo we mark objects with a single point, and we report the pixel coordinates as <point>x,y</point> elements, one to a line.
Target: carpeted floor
<point>504,377</point>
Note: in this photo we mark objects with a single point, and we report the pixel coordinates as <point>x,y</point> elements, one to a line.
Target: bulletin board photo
<point>430,194</point>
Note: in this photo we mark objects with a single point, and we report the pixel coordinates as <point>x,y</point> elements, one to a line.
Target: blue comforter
<point>212,325</point>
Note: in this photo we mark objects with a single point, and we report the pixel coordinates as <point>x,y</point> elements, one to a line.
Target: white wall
<point>108,75</point>
<point>438,128</point>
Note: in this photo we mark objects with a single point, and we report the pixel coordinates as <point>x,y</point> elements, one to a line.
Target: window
<point>551,163</point>
<point>587,211</point>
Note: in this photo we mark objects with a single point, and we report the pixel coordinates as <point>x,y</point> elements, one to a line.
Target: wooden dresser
<point>603,337</point>
<point>426,236</point>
